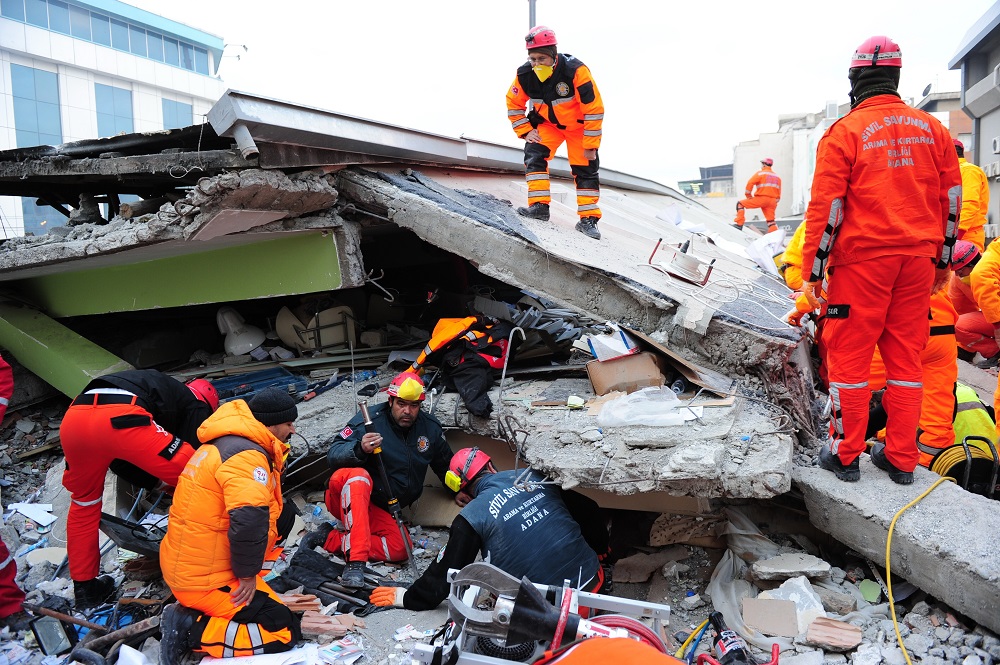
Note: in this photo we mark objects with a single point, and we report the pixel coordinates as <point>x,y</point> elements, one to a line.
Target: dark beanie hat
<point>550,51</point>
<point>868,82</point>
<point>273,406</point>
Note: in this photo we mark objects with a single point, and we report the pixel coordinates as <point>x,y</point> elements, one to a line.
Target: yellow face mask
<point>543,72</point>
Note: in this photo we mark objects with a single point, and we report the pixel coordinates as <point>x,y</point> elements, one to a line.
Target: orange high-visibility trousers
<point>372,533</point>
<point>264,625</point>
<point>939,362</point>
<point>877,301</point>
<point>767,205</point>
<point>975,333</point>
<point>93,438</point>
<point>585,171</point>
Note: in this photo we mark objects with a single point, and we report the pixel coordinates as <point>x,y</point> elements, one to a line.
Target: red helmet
<point>408,386</point>
<point>465,464</point>
<point>540,36</point>
<point>205,391</point>
<point>768,161</point>
<point>959,144</point>
<point>888,52</point>
<point>963,254</point>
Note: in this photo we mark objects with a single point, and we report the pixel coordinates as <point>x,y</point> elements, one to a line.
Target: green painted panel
<point>289,264</point>
<point>52,351</point>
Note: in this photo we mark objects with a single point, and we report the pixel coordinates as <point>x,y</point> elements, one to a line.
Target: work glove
<point>387,596</point>
<point>941,277</point>
<point>809,292</point>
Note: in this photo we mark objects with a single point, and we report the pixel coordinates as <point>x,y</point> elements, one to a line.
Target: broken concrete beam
<point>946,545</point>
<point>832,635</point>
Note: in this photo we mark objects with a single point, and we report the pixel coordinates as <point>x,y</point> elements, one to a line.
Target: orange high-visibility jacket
<point>767,183</point>
<point>227,502</point>
<point>985,283</point>
<point>887,182</point>
<point>975,203</point>
<point>568,99</point>
<point>960,293</point>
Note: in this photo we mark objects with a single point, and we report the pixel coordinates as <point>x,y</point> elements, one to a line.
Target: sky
<point>683,82</point>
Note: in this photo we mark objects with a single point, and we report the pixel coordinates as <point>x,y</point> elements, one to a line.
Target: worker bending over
<point>410,440</point>
<point>141,424</point>
<point>225,523</point>
<point>524,532</point>
<point>763,191</point>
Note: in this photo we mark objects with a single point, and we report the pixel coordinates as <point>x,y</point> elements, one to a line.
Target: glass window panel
<point>49,139</point>
<point>22,81</point>
<point>123,125</point>
<point>105,125</point>
<point>101,27</point>
<point>123,102</point>
<point>138,40</point>
<point>177,114</point>
<point>79,22</point>
<point>105,98</point>
<point>25,116</point>
<point>187,56</point>
<point>201,61</point>
<point>26,138</point>
<point>12,9</point>
<point>36,12</point>
<point>119,35</point>
<point>171,54</point>
<point>59,16</point>
<point>46,86</point>
<point>155,42</point>
<point>48,118</point>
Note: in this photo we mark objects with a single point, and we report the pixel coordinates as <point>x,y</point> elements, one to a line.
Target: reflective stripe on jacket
<point>767,183</point>
<point>887,182</point>
<point>568,99</point>
<point>226,506</point>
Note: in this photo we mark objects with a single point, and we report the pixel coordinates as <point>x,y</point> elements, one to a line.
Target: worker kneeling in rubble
<point>410,441</point>
<point>225,521</point>
<point>524,532</point>
<point>142,424</point>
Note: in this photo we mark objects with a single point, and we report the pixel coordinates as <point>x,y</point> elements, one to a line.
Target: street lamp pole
<point>531,14</point>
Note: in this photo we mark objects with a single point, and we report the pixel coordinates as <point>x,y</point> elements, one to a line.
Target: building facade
<point>84,69</point>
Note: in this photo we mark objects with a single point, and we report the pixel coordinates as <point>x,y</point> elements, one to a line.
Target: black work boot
<point>739,227</point>
<point>881,461</point>
<point>353,576</point>
<point>588,227</point>
<point>90,593</point>
<point>850,473</point>
<point>535,211</point>
<point>180,633</point>
<point>316,538</point>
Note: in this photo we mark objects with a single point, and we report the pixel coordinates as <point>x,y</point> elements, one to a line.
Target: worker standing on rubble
<point>410,440</point>
<point>975,200</point>
<point>763,191</point>
<point>524,532</point>
<point>225,522</point>
<point>11,596</point>
<point>552,100</point>
<point>884,211</point>
<point>141,424</point>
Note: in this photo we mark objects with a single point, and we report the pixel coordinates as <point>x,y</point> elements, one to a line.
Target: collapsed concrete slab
<point>946,544</point>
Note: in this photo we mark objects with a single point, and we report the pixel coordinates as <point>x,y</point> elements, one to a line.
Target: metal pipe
<point>244,141</point>
<point>129,631</point>
<point>38,609</point>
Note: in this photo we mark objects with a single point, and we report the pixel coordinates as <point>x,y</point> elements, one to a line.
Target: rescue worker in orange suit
<point>972,331</point>
<point>939,365</point>
<point>763,191</point>
<point>565,106</point>
<point>140,424</point>
<point>531,521</point>
<point>410,440</point>
<point>883,214</point>
<point>12,614</point>
<point>226,522</point>
<point>985,283</point>
<point>975,200</point>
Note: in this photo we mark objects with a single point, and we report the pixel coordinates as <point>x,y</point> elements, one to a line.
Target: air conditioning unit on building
<point>984,96</point>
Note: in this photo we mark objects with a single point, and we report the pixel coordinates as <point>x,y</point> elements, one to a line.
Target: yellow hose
<point>680,652</point>
<point>888,571</point>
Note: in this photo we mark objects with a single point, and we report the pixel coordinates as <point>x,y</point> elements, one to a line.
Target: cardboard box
<point>625,374</point>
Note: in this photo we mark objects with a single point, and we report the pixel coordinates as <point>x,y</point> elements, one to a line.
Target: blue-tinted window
<point>36,13</point>
<point>101,26</point>
<point>59,16</point>
<point>79,22</point>
<point>119,35</point>
<point>36,122</point>
<point>187,56</point>
<point>12,9</point>
<point>171,54</point>
<point>138,40</point>
<point>155,42</point>
<point>201,60</point>
<point>114,110</point>
<point>177,114</point>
